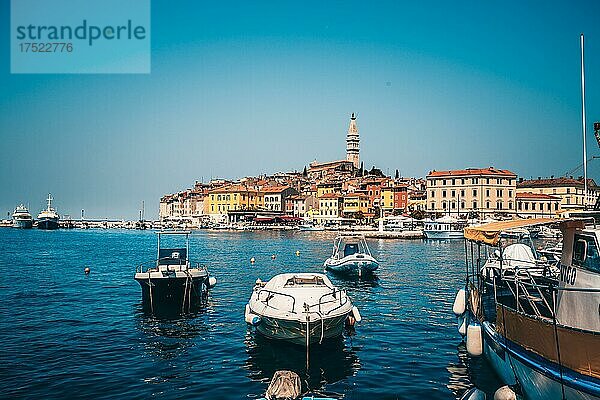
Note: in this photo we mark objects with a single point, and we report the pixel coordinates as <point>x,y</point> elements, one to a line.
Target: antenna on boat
<point>583,124</point>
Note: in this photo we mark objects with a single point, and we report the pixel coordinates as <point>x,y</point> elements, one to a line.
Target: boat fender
<point>474,339</point>
<point>273,256</point>
<point>505,393</point>
<point>356,314</point>
<point>212,282</point>
<point>297,253</point>
<point>252,260</point>
<point>86,270</point>
<point>460,302</point>
<point>350,321</point>
<point>473,394</point>
<point>256,320</point>
<point>462,324</point>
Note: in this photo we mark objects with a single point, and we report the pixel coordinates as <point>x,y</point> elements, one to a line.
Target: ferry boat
<point>22,218</point>
<point>172,282</point>
<point>48,219</point>
<point>302,308</point>
<point>446,227</point>
<point>351,254</point>
<point>538,327</point>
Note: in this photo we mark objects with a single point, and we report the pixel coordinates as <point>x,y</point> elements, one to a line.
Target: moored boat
<point>446,227</point>
<point>351,254</point>
<point>539,330</point>
<point>172,281</point>
<point>22,218</point>
<point>48,219</point>
<point>302,308</point>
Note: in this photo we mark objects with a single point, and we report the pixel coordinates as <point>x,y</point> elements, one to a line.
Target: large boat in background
<point>48,218</point>
<point>537,325</point>
<point>446,227</point>
<point>22,218</point>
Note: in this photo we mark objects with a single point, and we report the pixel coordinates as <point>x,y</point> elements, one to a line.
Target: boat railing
<point>337,295</point>
<point>155,264</point>
<point>271,294</point>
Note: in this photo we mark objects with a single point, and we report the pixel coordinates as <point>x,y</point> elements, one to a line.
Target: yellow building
<point>330,207</point>
<point>233,197</point>
<point>328,188</point>
<point>354,203</point>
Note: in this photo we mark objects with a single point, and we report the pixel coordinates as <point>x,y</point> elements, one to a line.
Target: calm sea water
<point>67,335</point>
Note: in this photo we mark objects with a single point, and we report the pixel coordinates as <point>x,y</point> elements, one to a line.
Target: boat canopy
<point>490,233</point>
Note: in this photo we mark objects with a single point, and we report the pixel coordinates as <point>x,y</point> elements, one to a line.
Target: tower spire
<point>352,143</point>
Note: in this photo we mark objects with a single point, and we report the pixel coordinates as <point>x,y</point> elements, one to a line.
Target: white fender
<point>212,282</point>
<point>463,321</point>
<point>460,302</point>
<point>356,314</point>
<point>474,340</point>
<point>505,393</point>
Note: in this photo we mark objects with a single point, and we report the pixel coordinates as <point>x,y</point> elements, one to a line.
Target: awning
<point>490,233</point>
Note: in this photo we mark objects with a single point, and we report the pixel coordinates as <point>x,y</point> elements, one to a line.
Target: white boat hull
<point>537,381</point>
<point>443,234</point>
<point>356,263</point>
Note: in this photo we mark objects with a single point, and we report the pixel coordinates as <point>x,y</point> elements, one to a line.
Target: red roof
<point>330,196</point>
<point>555,182</point>
<point>491,171</point>
<point>536,196</point>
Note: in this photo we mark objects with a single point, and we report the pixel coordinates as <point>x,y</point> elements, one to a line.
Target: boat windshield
<point>298,281</point>
<point>172,256</point>
<point>350,248</point>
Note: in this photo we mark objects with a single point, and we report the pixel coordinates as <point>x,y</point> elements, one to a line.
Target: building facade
<point>482,191</point>
<point>570,191</point>
<point>537,205</point>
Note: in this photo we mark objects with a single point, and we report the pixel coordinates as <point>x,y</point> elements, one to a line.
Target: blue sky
<point>258,87</point>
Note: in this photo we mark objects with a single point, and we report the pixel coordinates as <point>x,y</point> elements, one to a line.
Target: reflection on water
<point>330,362</point>
<point>471,372</point>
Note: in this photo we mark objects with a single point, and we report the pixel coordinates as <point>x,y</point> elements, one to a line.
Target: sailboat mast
<point>583,125</point>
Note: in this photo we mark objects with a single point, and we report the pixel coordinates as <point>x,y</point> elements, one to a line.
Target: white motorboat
<point>351,255</point>
<point>540,331</point>
<point>301,308</point>
<point>172,280</point>
<point>48,219</point>
<point>22,218</point>
<point>446,227</point>
<point>311,227</point>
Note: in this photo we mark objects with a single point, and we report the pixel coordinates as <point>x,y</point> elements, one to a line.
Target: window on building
<point>474,192</point>
<point>487,204</point>
<point>453,205</point>
<point>453,182</point>
<point>475,181</point>
<point>532,206</point>
<point>444,205</point>
<point>443,193</point>
<point>433,206</point>
<point>462,205</point>
<point>432,193</point>
<point>487,192</point>
<point>555,206</point>
<point>526,206</point>
<point>568,190</point>
<point>499,205</point>
<point>462,181</point>
<point>474,205</point>
<point>519,205</point>
<point>462,193</point>
<point>444,182</point>
<point>510,205</point>
<point>453,193</point>
<point>510,193</point>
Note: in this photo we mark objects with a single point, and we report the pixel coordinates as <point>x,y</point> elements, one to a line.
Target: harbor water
<point>65,334</point>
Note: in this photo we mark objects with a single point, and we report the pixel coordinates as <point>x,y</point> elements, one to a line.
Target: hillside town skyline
<point>344,190</point>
